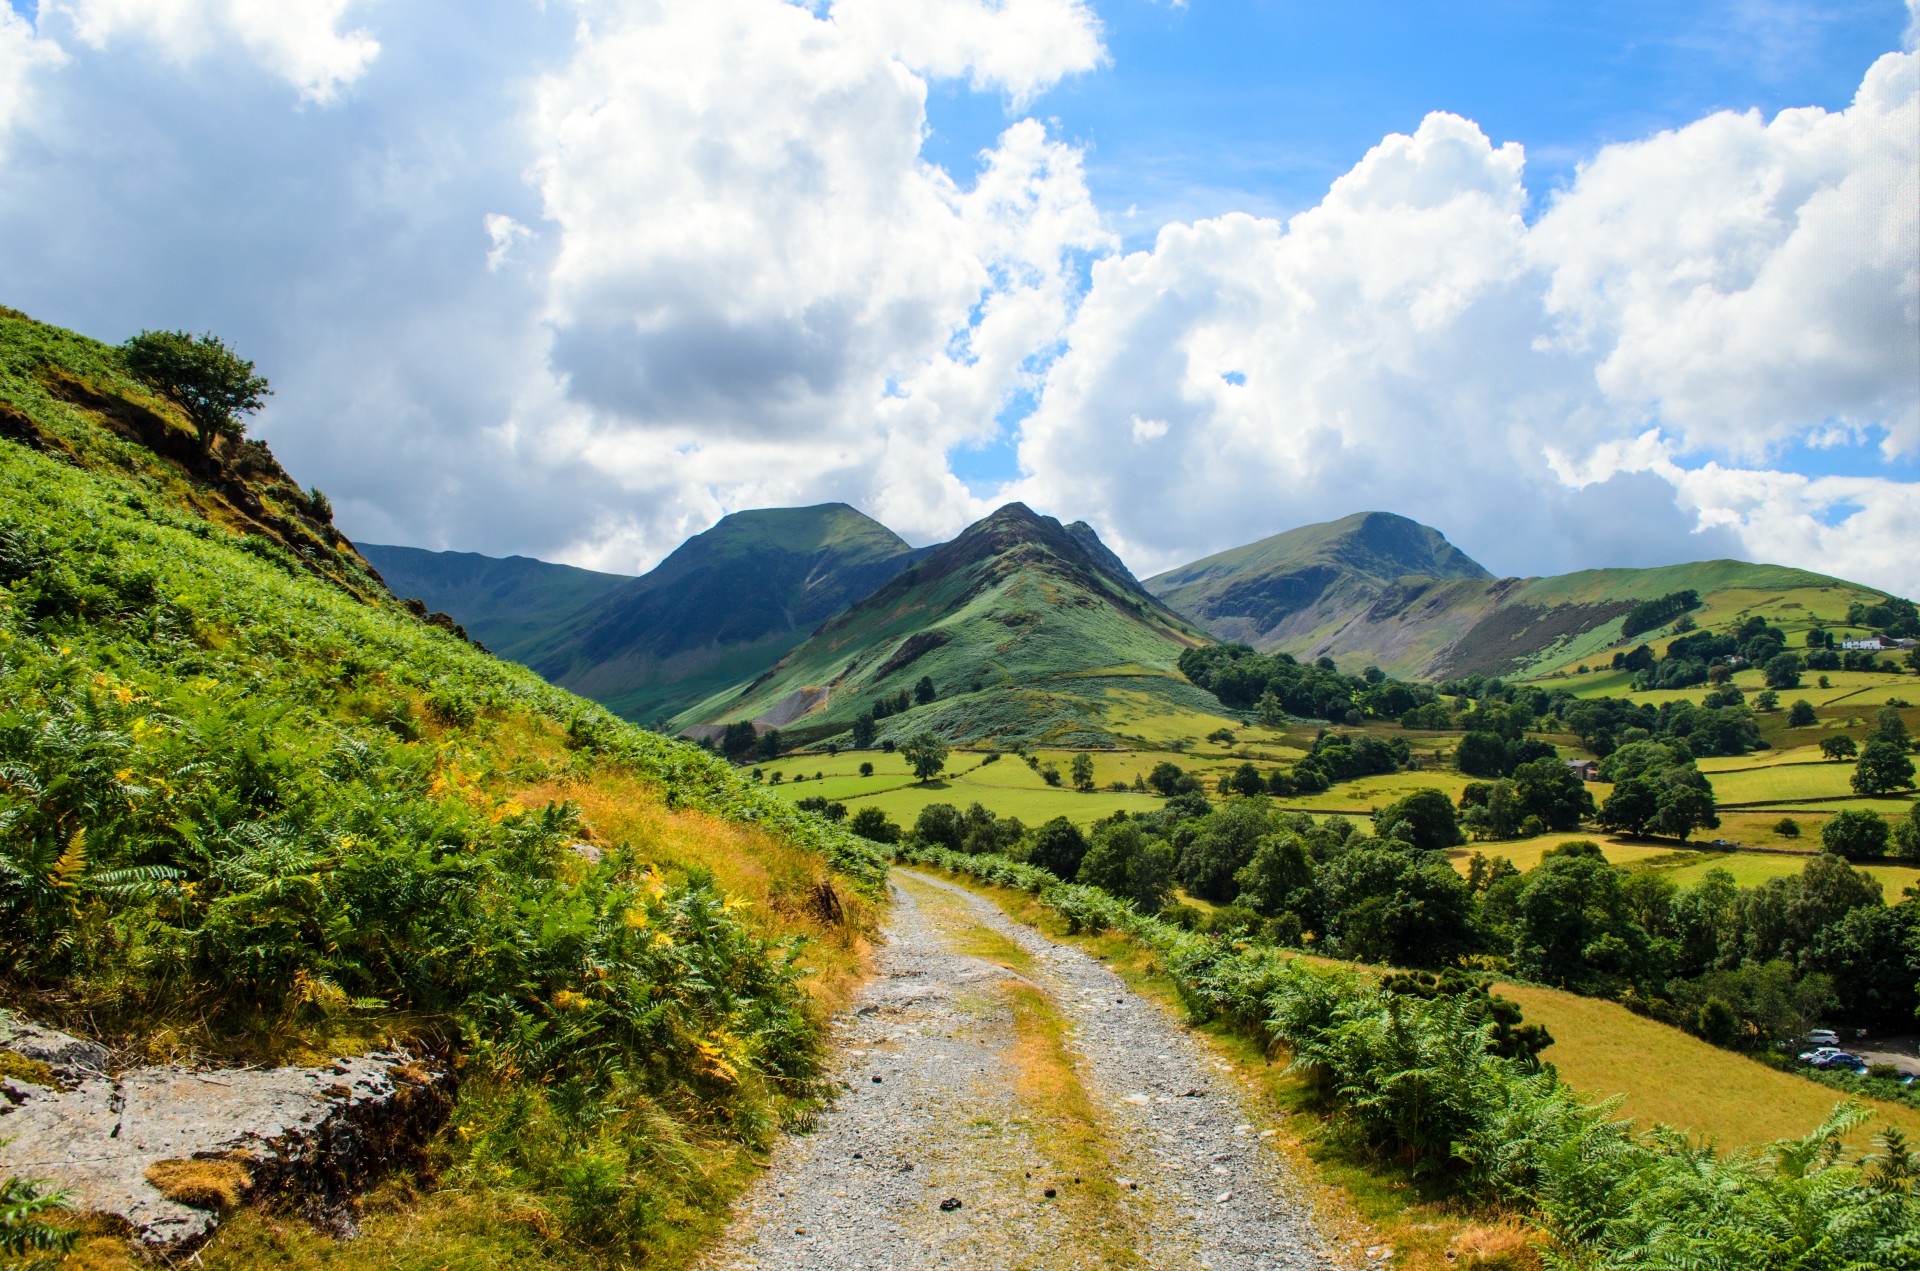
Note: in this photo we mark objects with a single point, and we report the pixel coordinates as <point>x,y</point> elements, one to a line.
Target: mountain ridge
<point>1000,619</point>
<point>1354,590</point>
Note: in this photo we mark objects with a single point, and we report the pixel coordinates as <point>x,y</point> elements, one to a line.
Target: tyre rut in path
<point>987,1064</point>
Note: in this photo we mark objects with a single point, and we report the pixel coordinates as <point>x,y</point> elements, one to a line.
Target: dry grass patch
<point>215,1183</point>
<point>781,883</point>
<point>1603,1049</point>
<point>1503,1246</point>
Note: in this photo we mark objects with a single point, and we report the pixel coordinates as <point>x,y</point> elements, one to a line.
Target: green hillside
<point>1297,586</point>
<point>1030,631</point>
<point>1381,589</point>
<point>721,609</point>
<point>253,809</point>
<point>507,604</point>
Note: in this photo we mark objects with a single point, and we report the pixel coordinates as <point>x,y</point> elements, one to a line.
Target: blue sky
<point>1256,105</point>
<point>1259,105</point>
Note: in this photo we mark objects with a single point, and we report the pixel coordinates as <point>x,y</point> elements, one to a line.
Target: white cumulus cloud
<point>1752,279</point>
<point>299,40</point>
<point>1019,46</point>
<point>755,265</point>
<point>23,56</point>
<point>1413,344</point>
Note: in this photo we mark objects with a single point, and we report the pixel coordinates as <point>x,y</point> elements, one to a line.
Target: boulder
<point>113,1142</point>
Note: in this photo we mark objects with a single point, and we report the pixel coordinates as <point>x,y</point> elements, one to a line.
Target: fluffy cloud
<point>1751,279</point>
<point>1413,344</point>
<point>23,55</point>
<point>577,278</point>
<point>1019,46</point>
<point>298,40</point>
<point>754,266</point>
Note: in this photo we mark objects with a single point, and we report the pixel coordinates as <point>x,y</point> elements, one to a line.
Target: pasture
<point>1668,1077</point>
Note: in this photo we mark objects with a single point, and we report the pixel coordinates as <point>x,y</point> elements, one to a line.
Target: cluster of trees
<point>1883,765</point>
<point>1861,834</point>
<point>1649,614</point>
<point>1278,685</point>
<point>1892,617</point>
<point>1657,787</point>
<point>1542,795</point>
<point>1739,967</point>
<point>742,740</point>
<point>1692,658</point>
<point>866,726</point>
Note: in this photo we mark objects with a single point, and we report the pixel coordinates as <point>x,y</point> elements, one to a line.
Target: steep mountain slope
<point>1029,630</point>
<point>1294,588</point>
<point>721,609</point>
<point>1377,588</point>
<point>253,809</point>
<point>507,604</point>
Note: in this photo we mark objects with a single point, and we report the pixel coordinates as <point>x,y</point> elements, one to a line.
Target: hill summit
<point>1285,590</point>
<point>1025,630</point>
<point>1382,589</point>
<point>722,607</point>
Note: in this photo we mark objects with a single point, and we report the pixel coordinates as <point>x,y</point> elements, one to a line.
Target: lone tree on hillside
<point>924,692</point>
<point>926,753</point>
<point>1883,768</point>
<point>215,385</point>
<point>1800,715</point>
<point>1837,748</point>
<point>1082,771</point>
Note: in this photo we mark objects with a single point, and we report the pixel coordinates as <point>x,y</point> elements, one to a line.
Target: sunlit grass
<point>1604,1049</point>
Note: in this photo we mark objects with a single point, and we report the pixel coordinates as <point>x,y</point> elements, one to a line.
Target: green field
<point>1007,786</point>
<point>1783,781</point>
<point>1526,853</point>
<point>1371,793</point>
<point>1749,869</point>
<point>1602,1048</point>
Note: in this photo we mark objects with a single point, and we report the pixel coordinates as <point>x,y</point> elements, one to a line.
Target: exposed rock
<point>72,1059</point>
<point>115,1142</point>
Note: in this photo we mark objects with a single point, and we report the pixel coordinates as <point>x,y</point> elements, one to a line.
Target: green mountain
<point>1381,589</point>
<point>725,606</point>
<point>1299,588</point>
<point>1028,629</point>
<point>509,605</point>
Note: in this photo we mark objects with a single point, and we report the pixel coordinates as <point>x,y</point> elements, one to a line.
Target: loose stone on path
<point>931,1161</point>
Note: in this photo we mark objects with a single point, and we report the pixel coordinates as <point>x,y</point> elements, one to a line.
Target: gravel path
<point>1075,1123</point>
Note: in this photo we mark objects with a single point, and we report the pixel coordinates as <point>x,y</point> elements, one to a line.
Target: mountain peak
<point>1014,601</point>
<point>1285,585</point>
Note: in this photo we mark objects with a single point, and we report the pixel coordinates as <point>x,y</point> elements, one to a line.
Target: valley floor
<point>1075,1123</point>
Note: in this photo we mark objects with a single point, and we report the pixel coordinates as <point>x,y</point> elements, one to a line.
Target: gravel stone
<point>1198,1187</point>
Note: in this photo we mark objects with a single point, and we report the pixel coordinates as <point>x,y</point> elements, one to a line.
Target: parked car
<point>1824,1037</point>
<point>1818,1053</point>
<point>1839,1059</point>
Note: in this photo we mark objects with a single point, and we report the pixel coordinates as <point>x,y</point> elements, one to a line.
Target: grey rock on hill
<point>315,1132</point>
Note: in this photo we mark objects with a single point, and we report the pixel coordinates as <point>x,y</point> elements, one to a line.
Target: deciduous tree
<point>926,754</point>
<point>212,383</point>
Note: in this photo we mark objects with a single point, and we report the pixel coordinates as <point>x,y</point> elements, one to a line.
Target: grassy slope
<point>507,604</point>
<point>1319,590</point>
<point>1605,1049</point>
<point>150,623</point>
<point>1056,645</point>
<point>725,606</point>
<point>1731,592</point>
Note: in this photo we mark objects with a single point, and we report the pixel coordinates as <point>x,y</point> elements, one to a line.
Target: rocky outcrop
<point>312,1135</point>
